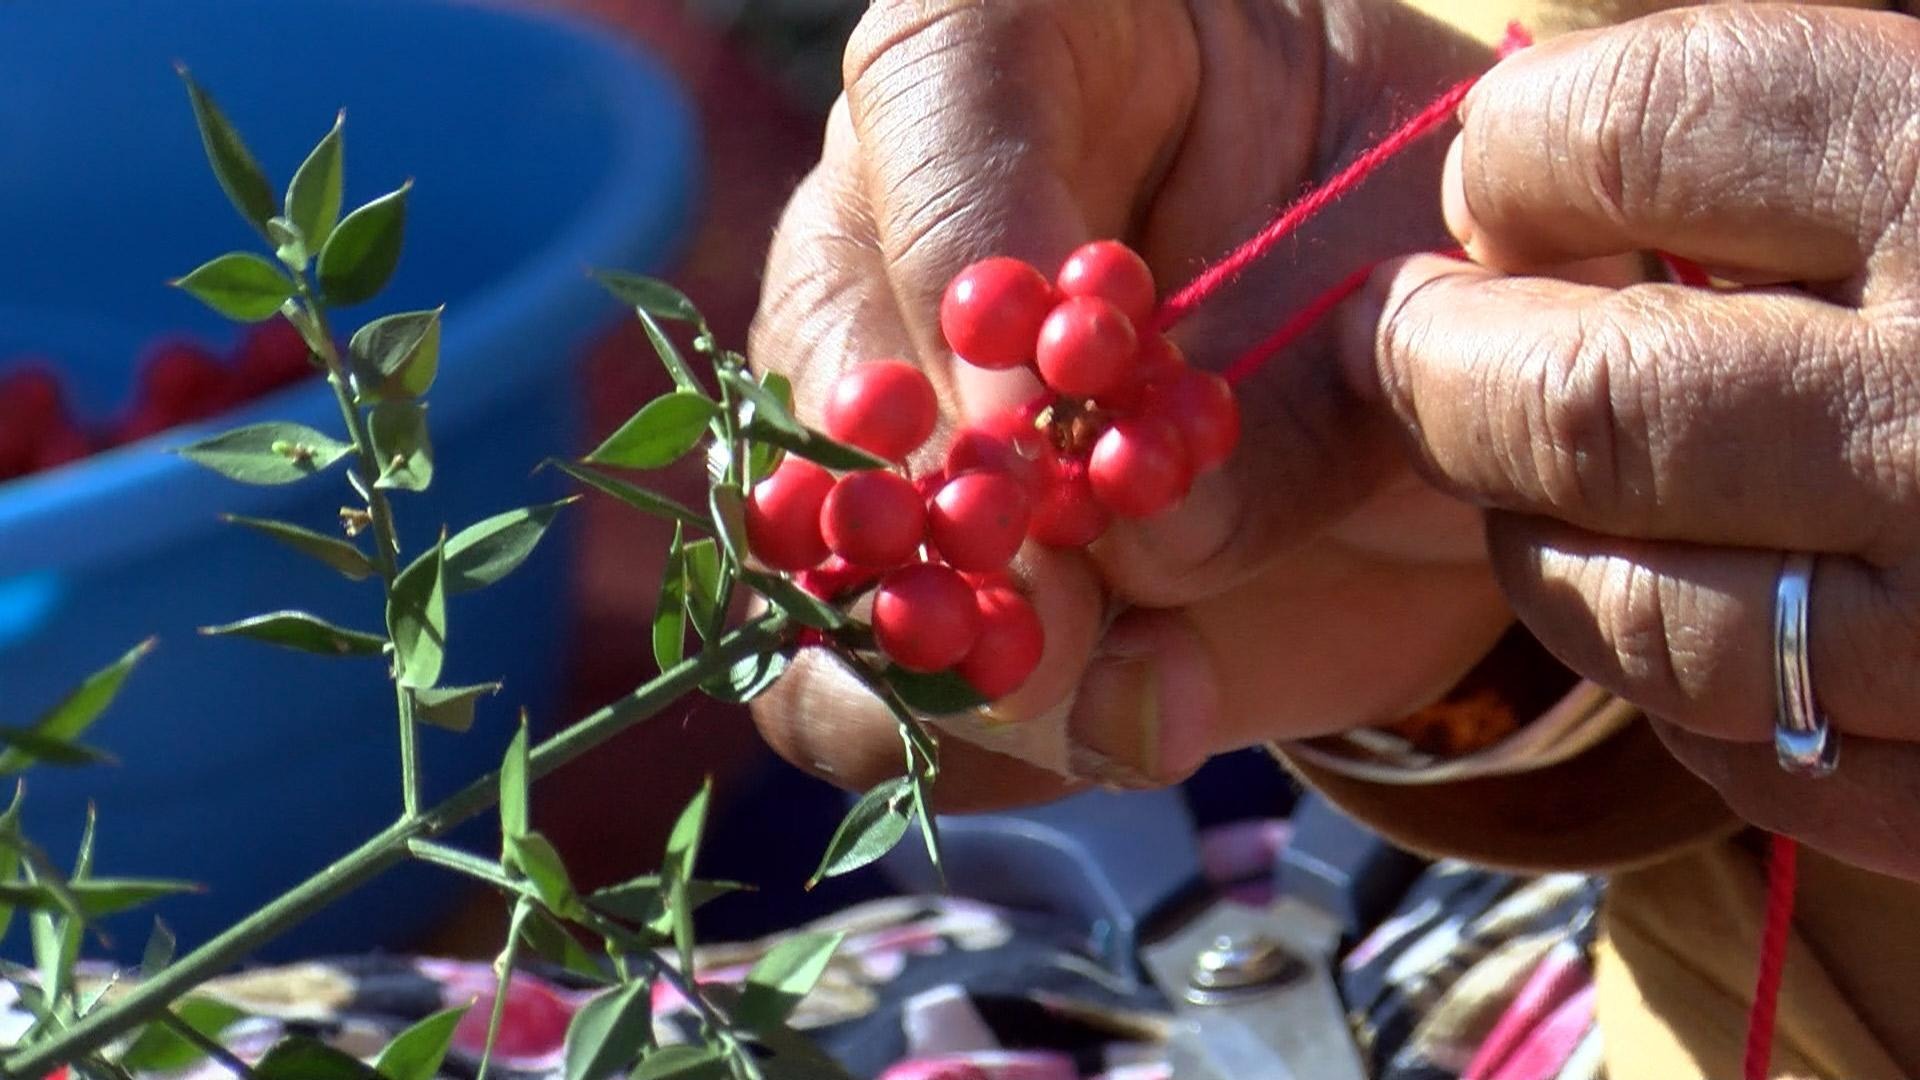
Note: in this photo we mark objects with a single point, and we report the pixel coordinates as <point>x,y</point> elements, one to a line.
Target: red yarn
<point>1223,273</point>
<point>1783,857</point>
<point>1250,361</point>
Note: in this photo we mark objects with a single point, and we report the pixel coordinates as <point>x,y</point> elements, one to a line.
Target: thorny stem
<point>386,537</point>
<point>151,998</point>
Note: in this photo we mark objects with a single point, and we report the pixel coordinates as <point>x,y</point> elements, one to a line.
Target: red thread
<point>1223,273</point>
<point>1782,872</point>
<point>1250,361</point>
<point>1686,272</point>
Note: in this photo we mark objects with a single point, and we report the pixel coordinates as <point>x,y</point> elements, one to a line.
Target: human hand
<point>1650,452</point>
<point>1314,584</point>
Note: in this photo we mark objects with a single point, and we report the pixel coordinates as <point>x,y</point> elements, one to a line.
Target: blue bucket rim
<point>605,230</point>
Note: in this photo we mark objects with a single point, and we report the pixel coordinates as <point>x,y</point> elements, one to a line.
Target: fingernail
<point>1453,194</point>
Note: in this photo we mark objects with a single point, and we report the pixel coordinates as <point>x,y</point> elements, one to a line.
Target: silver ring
<point>1805,743</point>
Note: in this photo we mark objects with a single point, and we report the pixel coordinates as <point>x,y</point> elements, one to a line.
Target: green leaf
<point>160,1049</point>
<point>450,707</point>
<point>649,295</point>
<point>813,446</point>
<point>661,433</point>
<point>781,978</point>
<point>240,285</point>
<point>233,164</point>
<point>45,750</point>
<point>513,786</point>
<point>416,1053</point>
<point>267,454</point>
<point>765,457</point>
<point>96,897</point>
<point>639,498</point>
<point>644,899</point>
<point>302,1057</point>
<point>670,612</point>
<point>943,694</point>
<point>748,678</point>
<point>360,256</point>
<point>299,630</point>
<point>288,245</point>
<point>768,408</point>
<point>681,1063</point>
<point>402,446</point>
<point>313,198</point>
<point>534,856</point>
<point>670,358</point>
<point>799,605</point>
<point>683,849</point>
<point>10,851</point>
<point>483,553</point>
<point>730,520</point>
<point>929,822</point>
<point>556,944</point>
<point>523,909</point>
<point>71,717</point>
<point>335,552</point>
<point>396,357</point>
<point>417,620</point>
<point>609,1032</point>
<point>159,951</point>
<point>870,830</point>
<point>703,582</point>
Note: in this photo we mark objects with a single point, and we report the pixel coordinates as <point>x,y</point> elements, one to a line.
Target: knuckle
<point>1583,415</point>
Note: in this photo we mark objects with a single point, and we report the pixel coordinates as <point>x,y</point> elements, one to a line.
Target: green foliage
<point>71,716</point>
<point>396,357</point>
<point>417,620</point>
<point>416,1053</point>
<point>870,830</point>
<point>337,553</point>
<point>363,251</point>
<point>483,553</point>
<point>240,285</point>
<point>661,433</point>
<point>267,454</point>
<point>313,198</point>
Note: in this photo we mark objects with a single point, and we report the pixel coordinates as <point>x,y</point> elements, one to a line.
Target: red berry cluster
<point>938,548</point>
<point>179,382</point>
<point>1130,425</point>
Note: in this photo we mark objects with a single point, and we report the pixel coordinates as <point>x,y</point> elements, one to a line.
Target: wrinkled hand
<point>1652,450</point>
<point>1314,584</point>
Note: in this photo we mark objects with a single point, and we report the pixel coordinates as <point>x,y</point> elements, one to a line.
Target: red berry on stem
<point>1201,406</point>
<point>1008,647</point>
<point>1086,348</point>
<point>1111,271</point>
<point>924,617</point>
<point>1007,444</point>
<point>886,408</point>
<point>1066,515</point>
<point>992,312</point>
<point>783,516</point>
<point>874,519</point>
<point>1139,467</point>
<point>979,520</point>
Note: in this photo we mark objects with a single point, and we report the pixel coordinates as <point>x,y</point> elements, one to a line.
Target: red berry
<point>978,520</point>
<point>184,382</point>
<point>874,519</point>
<point>272,355</point>
<point>1111,271</point>
<point>1009,645</point>
<point>1139,467</point>
<point>1066,515</point>
<point>1201,406</point>
<point>925,617</point>
<point>783,516</point>
<point>886,408</point>
<point>1158,359</point>
<point>1005,444</point>
<point>1086,348</point>
<point>992,312</point>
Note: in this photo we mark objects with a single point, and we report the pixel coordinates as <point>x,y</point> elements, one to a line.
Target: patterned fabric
<point>1477,975</point>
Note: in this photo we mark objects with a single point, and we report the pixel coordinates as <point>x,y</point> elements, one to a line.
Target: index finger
<point>1712,133</point>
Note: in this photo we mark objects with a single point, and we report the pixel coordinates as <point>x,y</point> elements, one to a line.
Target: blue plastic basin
<point>539,148</point>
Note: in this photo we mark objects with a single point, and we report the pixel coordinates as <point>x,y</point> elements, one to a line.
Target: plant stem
<point>386,535</point>
<point>151,998</point>
<point>206,1045</point>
